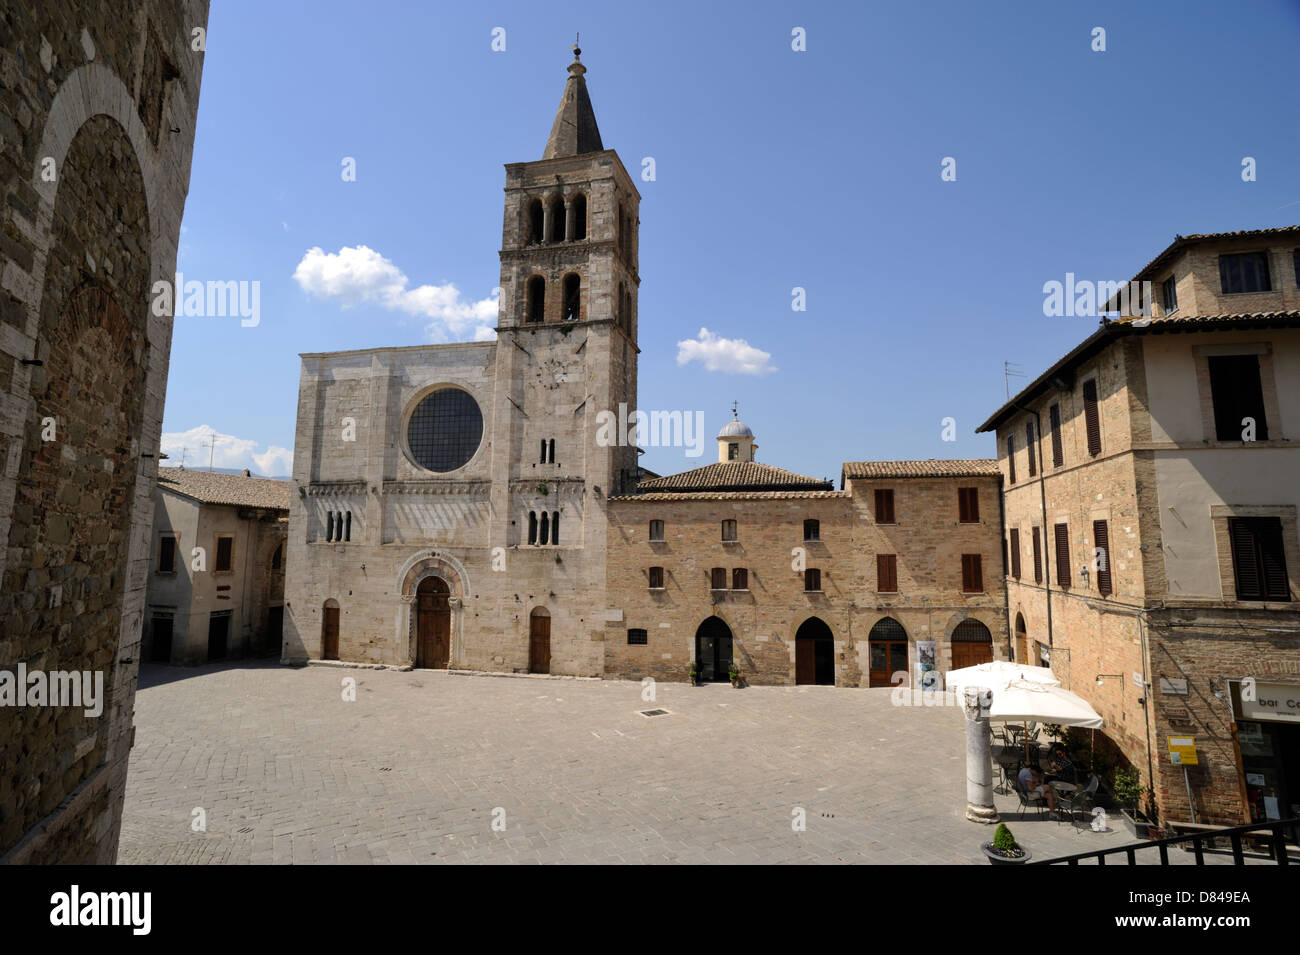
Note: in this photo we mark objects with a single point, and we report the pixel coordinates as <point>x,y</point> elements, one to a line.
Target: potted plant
<point>695,674</point>
<point>1129,791</point>
<point>734,673</point>
<point>1003,849</point>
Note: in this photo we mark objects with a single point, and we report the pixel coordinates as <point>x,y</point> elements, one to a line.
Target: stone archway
<point>420,567</point>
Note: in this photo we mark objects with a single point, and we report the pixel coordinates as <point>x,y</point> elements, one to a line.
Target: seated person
<point>1031,781</point>
<point>1059,765</point>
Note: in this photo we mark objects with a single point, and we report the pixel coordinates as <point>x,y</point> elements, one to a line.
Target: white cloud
<point>731,355</point>
<point>358,275</point>
<point>194,446</point>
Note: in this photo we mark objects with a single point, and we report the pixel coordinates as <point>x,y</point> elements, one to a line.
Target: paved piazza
<point>412,771</point>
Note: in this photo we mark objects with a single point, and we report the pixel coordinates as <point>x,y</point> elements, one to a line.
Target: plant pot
<point>995,859</point>
<point>735,682</point>
<point>1139,823</point>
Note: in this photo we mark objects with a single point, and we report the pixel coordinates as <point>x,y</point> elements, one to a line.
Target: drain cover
<point>654,712</point>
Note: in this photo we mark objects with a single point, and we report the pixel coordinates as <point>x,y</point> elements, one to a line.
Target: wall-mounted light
<point>1216,689</point>
<point>1085,576</point>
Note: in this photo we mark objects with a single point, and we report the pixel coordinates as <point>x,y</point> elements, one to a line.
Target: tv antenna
<point>1010,369</point>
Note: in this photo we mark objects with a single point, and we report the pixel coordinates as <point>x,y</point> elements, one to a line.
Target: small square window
<point>656,578</point>
<point>812,580</point>
<point>1244,272</point>
<point>718,578</point>
<point>656,530</point>
<point>637,637</point>
<point>812,530</point>
<point>729,530</point>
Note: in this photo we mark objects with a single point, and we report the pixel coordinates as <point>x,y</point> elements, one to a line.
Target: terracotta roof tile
<point>212,487</point>
<point>734,476</point>
<point>731,496</point>
<point>931,467</point>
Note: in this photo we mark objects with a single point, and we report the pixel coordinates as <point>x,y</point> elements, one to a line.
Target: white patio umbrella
<point>997,675</point>
<point>1024,701</point>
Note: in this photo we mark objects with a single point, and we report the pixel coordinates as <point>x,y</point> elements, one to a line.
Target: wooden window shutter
<point>1015,553</point>
<point>1101,547</point>
<point>884,506</point>
<point>719,581</point>
<point>1054,419</point>
<point>887,573</point>
<point>656,578</point>
<point>1011,459</point>
<point>972,574</point>
<point>740,579</point>
<point>1063,556</point>
<point>1029,448</point>
<point>1092,416</point>
<point>1273,559</point>
<point>1038,556</point>
<point>812,579</point>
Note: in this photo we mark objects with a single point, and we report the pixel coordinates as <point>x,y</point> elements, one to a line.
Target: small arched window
<point>532,527</point>
<point>277,559</point>
<point>347,527</point>
<point>627,313</point>
<point>536,221</point>
<point>555,527</point>
<point>544,534</point>
<point>572,297</point>
<point>542,460</point>
<point>578,209</point>
<point>536,308</point>
<point>557,219</point>
<point>329,525</point>
<point>551,449</point>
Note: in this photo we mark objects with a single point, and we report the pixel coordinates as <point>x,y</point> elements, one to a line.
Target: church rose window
<point>445,430</point>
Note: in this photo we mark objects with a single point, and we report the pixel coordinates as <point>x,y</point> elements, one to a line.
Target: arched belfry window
<point>555,527</point>
<point>627,312</point>
<point>578,211</point>
<point>557,219</point>
<point>532,527</point>
<point>544,535</point>
<point>536,307</point>
<point>572,296</point>
<point>536,221</point>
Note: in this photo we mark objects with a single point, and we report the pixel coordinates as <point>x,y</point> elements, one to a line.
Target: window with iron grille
<point>887,573</point>
<point>718,578</point>
<point>812,530</point>
<point>884,506</point>
<point>972,574</point>
<point>1237,393</point>
<point>1092,416</point>
<point>1062,532</point>
<point>728,530</point>
<point>968,505</point>
<point>1244,272</point>
<point>1258,558</point>
<point>1058,450</point>
<point>656,530</point>
<point>656,578</point>
<point>1011,459</point>
<point>812,579</point>
<point>740,578</point>
<point>445,430</point>
<point>1169,294</point>
<point>167,554</point>
<point>1101,554</point>
<point>637,637</point>
<point>1038,555</point>
<point>1029,448</point>
<point>1015,553</point>
<point>225,554</point>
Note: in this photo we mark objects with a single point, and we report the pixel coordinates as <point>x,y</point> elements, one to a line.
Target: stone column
<point>568,220</point>
<point>546,222</point>
<point>979,756</point>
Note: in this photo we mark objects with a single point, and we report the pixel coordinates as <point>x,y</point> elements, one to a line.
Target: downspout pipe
<point>1042,494</point>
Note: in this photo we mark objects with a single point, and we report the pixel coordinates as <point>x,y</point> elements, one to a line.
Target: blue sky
<point>775,169</point>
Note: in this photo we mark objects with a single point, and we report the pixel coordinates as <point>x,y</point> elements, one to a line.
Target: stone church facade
<point>97,110</point>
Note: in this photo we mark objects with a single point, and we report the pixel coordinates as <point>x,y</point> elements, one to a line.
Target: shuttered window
<point>167,555</point>
<point>740,579</point>
<point>718,578</point>
<point>1015,553</point>
<point>1237,393</point>
<point>1038,556</point>
<point>884,506</point>
<point>225,554</point>
<point>728,530</point>
<point>1011,459</point>
<point>887,573</point>
<point>972,574</point>
<point>656,530</point>
<point>1258,560</point>
<point>1101,552</point>
<point>1063,556</point>
<point>1092,416</point>
<point>1029,448</point>
<point>968,505</point>
<point>812,579</point>
<point>656,578</point>
<point>1058,451</point>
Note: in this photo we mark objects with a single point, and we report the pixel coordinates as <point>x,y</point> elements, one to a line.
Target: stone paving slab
<point>416,769</point>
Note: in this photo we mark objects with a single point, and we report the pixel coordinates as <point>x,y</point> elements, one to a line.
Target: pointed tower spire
<point>574,131</point>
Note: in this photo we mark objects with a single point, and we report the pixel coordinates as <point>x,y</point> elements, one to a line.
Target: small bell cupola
<point>735,440</point>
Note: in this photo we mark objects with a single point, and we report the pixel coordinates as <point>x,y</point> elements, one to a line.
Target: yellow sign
<point>1182,750</point>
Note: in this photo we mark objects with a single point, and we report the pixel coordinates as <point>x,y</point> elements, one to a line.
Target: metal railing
<point>1276,842</point>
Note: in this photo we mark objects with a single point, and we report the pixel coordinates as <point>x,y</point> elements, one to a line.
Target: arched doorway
<point>814,653</point>
<point>713,650</point>
<point>539,641</point>
<point>329,631</point>
<point>887,646</point>
<point>432,624</point>
<point>1022,640</point>
<point>972,644</point>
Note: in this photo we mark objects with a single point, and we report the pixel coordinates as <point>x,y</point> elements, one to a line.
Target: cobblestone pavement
<point>418,767</point>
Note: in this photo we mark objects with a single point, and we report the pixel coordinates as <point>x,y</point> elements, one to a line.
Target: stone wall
<point>95,183</point>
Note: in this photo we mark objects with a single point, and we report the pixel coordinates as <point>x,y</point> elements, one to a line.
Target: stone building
<point>97,112</point>
<point>216,570</point>
<point>468,476</point>
<point>745,564</point>
<point>1151,484</point>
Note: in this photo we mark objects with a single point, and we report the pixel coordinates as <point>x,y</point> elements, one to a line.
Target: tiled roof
<point>212,487</point>
<point>1182,241</point>
<point>731,496</point>
<point>1136,325</point>
<point>735,476</point>
<point>931,467</point>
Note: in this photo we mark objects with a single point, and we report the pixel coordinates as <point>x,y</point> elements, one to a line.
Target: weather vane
<point>735,413</point>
